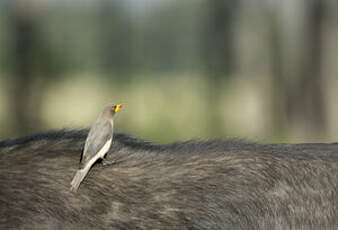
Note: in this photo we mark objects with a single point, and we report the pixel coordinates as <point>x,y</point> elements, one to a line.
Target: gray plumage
<point>100,133</point>
<point>97,144</point>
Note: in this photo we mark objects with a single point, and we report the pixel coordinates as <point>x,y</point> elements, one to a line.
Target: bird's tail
<point>78,178</point>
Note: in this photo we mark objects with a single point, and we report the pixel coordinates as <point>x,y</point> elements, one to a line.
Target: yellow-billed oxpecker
<point>97,144</point>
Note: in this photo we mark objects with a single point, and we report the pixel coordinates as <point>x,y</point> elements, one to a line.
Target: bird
<point>97,144</point>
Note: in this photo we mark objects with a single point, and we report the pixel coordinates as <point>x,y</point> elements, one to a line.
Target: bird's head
<point>110,111</point>
<point>115,108</point>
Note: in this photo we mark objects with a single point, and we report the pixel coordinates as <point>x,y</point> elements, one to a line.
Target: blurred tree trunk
<point>24,107</point>
<point>115,36</point>
<point>278,116</point>
<point>305,100</point>
<point>219,55</point>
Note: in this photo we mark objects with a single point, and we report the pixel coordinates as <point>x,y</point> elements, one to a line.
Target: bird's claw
<point>107,163</point>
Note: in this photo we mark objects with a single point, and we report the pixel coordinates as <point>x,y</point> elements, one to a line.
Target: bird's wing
<point>99,134</point>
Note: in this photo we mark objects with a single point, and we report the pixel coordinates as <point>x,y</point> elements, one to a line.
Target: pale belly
<point>100,154</point>
<point>105,149</point>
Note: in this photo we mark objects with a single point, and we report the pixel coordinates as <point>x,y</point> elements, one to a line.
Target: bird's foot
<point>107,162</point>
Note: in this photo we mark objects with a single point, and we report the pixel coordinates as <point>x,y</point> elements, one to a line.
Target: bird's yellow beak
<point>118,107</point>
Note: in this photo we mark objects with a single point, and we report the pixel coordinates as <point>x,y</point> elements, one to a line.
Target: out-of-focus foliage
<point>263,70</point>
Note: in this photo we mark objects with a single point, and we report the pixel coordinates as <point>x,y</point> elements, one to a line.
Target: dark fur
<point>190,185</point>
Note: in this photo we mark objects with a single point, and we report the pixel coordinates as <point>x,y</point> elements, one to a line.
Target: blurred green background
<point>265,70</point>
